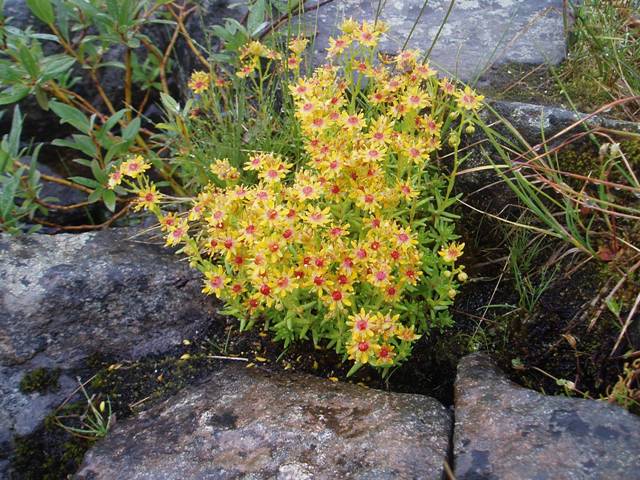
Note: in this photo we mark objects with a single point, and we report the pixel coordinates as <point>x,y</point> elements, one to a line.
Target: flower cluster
<point>250,56</point>
<point>352,243</point>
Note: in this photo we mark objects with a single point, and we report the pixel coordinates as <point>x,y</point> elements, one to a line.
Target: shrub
<point>352,244</point>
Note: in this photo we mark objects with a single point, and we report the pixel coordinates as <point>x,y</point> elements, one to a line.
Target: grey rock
<point>477,34</point>
<point>503,431</point>
<point>250,424</point>
<point>66,297</point>
<point>536,123</point>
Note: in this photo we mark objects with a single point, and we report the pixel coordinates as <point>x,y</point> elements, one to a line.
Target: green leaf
<point>354,369</point>
<point>169,103</point>
<point>99,174</point>
<point>109,198</point>
<point>82,143</point>
<point>131,130</point>
<point>112,64</point>
<point>257,14</point>
<point>115,150</point>
<point>42,99</point>
<point>87,182</point>
<point>27,60</point>
<point>71,115</point>
<point>113,119</point>
<point>43,9</point>
<point>55,65</point>
<point>95,196</point>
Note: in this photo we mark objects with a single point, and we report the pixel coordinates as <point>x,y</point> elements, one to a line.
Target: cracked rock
<point>66,297</point>
<point>503,431</point>
<point>247,423</point>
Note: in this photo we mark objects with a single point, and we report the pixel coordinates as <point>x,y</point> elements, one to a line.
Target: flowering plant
<point>354,243</point>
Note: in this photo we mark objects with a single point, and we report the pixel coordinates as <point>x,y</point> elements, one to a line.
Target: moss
<point>523,83</point>
<point>40,380</point>
<point>48,455</point>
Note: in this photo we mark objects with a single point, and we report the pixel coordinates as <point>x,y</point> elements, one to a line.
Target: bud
<point>452,294</point>
<point>463,277</point>
<point>454,115</point>
<point>615,150</point>
<point>470,129</point>
<point>446,274</point>
<point>454,140</point>
<point>102,406</point>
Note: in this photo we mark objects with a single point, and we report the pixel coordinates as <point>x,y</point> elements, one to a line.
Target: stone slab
<point>506,432</point>
<point>477,33</point>
<point>250,424</point>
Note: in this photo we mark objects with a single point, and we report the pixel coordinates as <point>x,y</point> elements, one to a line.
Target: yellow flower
<point>362,325</point>
<point>317,216</point>
<point>337,46</point>
<point>134,166</point>
<point>385,355</point>
<point>115,179</point>
<point>147,198</point>
<point>468,99</point>
<point>451,252</point>
<point>361,351</point>
<point>298,45</point>
<point>349,26</point>
<point>407,334</point>
<point>178,233</point>
<point>415,99</point>
<point>224,170</point>
<point>199,81</point>
<point>215,281</point>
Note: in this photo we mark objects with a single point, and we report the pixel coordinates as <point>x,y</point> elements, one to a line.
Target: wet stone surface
<point>247,423</point>
<point>503,431</point>
<point>68,297</point>
<point>477,34</point>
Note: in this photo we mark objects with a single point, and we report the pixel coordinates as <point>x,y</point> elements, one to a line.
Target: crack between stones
<point>448,467</point>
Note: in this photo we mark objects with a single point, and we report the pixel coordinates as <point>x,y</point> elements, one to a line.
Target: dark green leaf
<point>29,63</point>
<point>87,182</point>
<point>109,197</point>
<point>43,9</point>
<point>71,115</point>
<point>131,130</point>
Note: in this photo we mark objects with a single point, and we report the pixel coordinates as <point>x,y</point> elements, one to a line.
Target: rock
<point>66,297</point>
<point>246,423</point>
<point>477,34</point>
<point>534,121</point>
<point>503,431</point>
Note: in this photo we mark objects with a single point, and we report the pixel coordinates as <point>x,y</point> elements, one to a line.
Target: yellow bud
<point>186,356</point>
<point>452,294</point>
<point>453,115</point>
<point>102,406</point>
<point>463,277</point>
<point>446,274</point>
<point>470,129</point>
